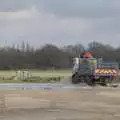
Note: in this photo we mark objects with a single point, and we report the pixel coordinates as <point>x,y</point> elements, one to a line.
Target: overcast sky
<point>60,22</point>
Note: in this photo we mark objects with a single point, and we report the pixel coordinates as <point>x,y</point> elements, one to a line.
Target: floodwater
<point>83,104</point>
<point>58,101</point>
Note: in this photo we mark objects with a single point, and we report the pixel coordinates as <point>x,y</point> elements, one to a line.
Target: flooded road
<point>40,86</point>
<point>58,102</point>
<point>82,104</point>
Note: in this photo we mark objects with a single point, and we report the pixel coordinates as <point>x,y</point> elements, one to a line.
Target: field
<point>37,76</point>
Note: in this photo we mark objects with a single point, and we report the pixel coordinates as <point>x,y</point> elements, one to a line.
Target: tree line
<point>52,57</point>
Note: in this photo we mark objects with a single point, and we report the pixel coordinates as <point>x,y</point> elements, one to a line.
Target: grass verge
<point>32,80</point>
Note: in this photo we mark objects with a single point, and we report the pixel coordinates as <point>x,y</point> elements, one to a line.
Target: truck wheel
<point>75,79</point>
<point>103,81</point>
<point>89,81</point>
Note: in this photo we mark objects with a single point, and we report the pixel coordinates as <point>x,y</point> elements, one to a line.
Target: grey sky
<point>60,22</point>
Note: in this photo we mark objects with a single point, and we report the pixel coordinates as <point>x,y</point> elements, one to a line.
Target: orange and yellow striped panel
<point>105,71</point>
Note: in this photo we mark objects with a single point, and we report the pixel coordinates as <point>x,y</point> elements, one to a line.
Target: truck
<point>93,70</point>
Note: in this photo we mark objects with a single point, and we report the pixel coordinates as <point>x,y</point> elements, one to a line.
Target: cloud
<point>13,5</point>
<point>81,8</point>
<point>60,22</point>
<point>41,27</point>
<point>67,8</point>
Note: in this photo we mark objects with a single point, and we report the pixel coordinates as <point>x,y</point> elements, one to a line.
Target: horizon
<point>20,45</point>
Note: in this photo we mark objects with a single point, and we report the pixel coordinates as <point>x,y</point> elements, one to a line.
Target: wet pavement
<point>40,86</point>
